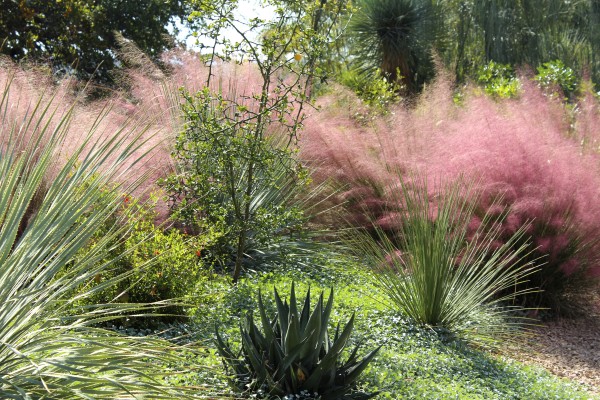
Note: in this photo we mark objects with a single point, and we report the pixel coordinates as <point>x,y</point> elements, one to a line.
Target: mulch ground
<point>568,348</point>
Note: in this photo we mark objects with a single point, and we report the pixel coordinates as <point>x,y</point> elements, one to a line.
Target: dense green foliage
<point>160,264</point>
<point>555,76</point>
<point>499,80</point>
<point>78,34</point>
<point>376,91</point>
<point>293,355</point>
<point>232,182</point>
<point>400,37</point>
<point>523,32</point>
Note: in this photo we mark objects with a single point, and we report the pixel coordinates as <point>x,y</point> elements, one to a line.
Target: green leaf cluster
<point>555,75</point>
<point>160,263</point>
<point>293,355</point>
<point>520,33</point>
<point>376,91</point>
<point>499,80</point>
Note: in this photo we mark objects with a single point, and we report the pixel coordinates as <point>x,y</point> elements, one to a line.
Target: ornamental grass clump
<point>520,150</point>
<point>439,272</point>
<point>293,355</point>
<point>542,159</point>
<point>51,346</point>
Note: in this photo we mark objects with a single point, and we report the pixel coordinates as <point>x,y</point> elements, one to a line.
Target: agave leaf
<point>292,338</point>
<point>294,306</point>
<point>351,374</point>
<point>222,347</point>
<point>282,315</point>
<point>325,321</point>
<point>305,311</point>
<point>292,383</point>
<point>352,357</point>
<point>282,363</point>
<point>292,356</point>
<point>315,338</point>
<point>328,362</point>
<point>267,325</point>
<point>257,338</point>
<point>253,355</point>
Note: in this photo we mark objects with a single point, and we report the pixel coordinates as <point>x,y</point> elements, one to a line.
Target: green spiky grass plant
<point>439,273</point>
<point>50,345</point>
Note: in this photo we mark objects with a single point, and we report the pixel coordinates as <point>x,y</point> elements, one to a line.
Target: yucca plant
<point>50,344</point>
<point>294,355</point>
<point>438,270</point>
<point>397,37</point>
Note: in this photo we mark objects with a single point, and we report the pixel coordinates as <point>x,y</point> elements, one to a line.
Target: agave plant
<point>439,270</point>
<point>50,345</point>
<point>293,355</point>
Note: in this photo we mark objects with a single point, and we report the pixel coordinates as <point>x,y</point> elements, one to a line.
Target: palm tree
<point>50,344</point>
<point>396,36</point>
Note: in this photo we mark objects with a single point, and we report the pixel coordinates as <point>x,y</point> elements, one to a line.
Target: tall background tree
<point>78,35</point>
<point>524,32</point>
<point>399,37</point>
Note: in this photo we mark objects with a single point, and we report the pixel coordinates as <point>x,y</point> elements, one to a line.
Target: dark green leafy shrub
<point>176,261</point>
<point>293,355</point>
<point>160,264</point>
<point>232,181</point>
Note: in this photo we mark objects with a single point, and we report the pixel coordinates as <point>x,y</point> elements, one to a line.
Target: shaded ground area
<point>568,348</point>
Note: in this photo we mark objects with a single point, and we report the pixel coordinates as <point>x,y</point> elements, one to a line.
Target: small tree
<point>231,171</point>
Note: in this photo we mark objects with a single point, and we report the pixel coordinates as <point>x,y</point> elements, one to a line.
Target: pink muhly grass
<point>521,149</point>
<point>150,107</point>
<point>104,118</point>
<point>342,149</point>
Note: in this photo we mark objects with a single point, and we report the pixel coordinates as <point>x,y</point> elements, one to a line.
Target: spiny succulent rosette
<point>293,356</point>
